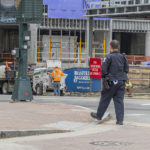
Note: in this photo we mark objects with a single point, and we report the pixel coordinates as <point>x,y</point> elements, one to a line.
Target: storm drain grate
<point>111,143</point>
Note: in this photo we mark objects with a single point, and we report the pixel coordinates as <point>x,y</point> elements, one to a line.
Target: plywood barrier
<point>140,76</point>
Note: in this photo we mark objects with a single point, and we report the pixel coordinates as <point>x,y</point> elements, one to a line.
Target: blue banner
<point>78,80</point>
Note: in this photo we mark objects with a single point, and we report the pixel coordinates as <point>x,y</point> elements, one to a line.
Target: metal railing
<point>128,25</point>
<point>69,50</point>
<point>6,57</point>
<point>118,8</point>
<point>113,3</point>
<point>74,58</point>
<point>73,24</point>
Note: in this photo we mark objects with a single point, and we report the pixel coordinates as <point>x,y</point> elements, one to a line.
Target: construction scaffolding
<point>118,8</point>
<point>102,24</point>
<point>64,48</point>
<point>72,47</point>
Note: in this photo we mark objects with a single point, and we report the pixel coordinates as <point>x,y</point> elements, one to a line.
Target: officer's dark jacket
<point>115,67</point>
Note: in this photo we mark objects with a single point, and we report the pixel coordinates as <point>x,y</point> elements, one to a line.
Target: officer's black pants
<point>117,93</point>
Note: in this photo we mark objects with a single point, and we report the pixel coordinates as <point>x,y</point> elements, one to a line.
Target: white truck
<point>42,80</point>
<point>7,80</point>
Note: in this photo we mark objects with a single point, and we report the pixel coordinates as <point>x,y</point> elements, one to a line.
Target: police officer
<point>114,68</point>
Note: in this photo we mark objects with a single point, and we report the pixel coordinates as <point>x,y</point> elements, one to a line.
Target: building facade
<point>63,35</point>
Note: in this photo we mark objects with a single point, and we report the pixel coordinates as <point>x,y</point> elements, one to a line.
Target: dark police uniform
<point>115,67</point>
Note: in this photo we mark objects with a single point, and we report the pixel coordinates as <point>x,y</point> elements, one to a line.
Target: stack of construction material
<point>140,76</point>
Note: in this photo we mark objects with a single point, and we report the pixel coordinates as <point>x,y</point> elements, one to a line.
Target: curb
<point>22,133</point>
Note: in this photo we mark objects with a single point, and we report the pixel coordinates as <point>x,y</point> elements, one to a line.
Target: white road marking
<point>135,114</point>
<point>145,104</point>
<point>66,125</point>
<point>138,124</point>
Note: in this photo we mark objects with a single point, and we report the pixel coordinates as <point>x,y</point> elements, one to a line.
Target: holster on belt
<point>106,83</point>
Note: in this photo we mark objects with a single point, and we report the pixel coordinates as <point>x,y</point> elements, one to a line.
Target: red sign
<point>95,68</point>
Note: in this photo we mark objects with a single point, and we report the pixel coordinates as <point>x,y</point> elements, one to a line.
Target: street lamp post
<point>28,11</point>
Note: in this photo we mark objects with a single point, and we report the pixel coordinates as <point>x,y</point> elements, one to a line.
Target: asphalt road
<point>136,110</point>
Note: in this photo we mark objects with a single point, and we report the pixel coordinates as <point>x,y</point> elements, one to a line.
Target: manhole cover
<point>110,143</point>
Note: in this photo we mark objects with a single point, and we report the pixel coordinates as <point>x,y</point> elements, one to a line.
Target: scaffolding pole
<point>50,45</point>
<point>89,37</point>
<point>80,50</point>
<point>104,45</point>
<point>39,47</point>
<point>74,46</point>
<point>69,46</point>
<point>61,46</point>
<point>85,51</point>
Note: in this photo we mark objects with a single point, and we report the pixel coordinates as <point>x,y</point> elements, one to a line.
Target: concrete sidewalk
<point>106,136</point>
<point>29,118</point>
<point>58,119</point>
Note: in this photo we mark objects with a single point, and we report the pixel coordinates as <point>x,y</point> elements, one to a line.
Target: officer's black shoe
<point>94,115</point>
<point>119,122</point>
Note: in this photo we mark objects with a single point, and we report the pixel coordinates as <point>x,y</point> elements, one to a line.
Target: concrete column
<point>110,30</point>
<point>147,44</point>
<point>32,52</point>
<point>108,36</point>
<point>89,38</point>
<point>99,39</point>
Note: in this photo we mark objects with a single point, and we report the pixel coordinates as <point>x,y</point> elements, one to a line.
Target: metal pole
<point>85,50</point>
<point>69,46</point>
<point>80,47</point>
<point>110,30</point>
<point>89,38</point>
<point>39,45</point>
<point>75,45</point>
<point>104,45</point>
<point>61,46</point>
<point>89,43</point>
<point>22,89</point>
<point>50,47</point>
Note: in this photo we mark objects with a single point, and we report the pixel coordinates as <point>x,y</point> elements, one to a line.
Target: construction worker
<point>7,65</point>
<point>56,75</point>
<point>128,88</point>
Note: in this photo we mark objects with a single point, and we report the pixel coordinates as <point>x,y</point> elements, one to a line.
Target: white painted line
<point>145,104</point>
<point>66,125</point>
<point>135,114</point>
<point>138,124</point>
